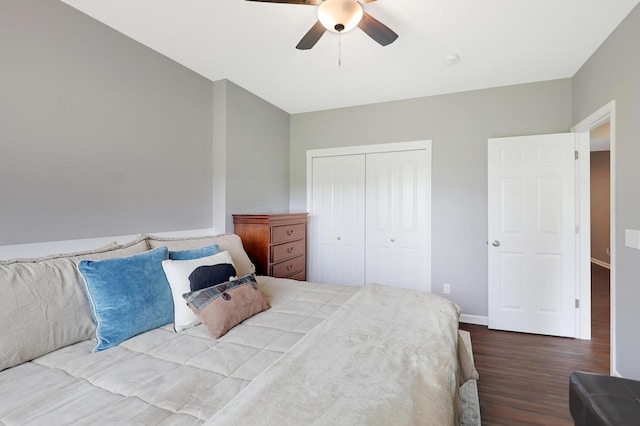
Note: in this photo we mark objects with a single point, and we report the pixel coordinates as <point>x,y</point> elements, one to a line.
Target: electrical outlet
<point>446,288</point>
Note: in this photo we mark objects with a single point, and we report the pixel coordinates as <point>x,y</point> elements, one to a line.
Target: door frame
<point>605,113</point>
<point>370,149</point>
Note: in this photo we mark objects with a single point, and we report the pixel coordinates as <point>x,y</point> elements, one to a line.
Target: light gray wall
<point>99,135</point>
<point>220,155</point>
<point>459,126</point>
<point>613,73</point>
<point>256,149</point>
<point>600,206</point>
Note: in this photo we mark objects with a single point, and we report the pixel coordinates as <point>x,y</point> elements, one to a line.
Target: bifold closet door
<point>337,236</point>
<point>396,219</point>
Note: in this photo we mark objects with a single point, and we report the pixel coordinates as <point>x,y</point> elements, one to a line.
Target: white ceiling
<point>500,42</point>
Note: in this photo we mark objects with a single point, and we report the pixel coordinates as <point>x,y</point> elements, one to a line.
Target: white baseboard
<point>69,246</point>
<point>601,263</point>
<point>474,319</point>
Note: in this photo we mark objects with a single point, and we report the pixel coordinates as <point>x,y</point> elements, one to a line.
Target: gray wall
<point>459,126</point>
<point>220,155</point>
<point>613,73</point>
<point>102,136</point>
<point>251,147</point>
<point>257,155</point>
<point>600,206</point>
<point>99,135</point>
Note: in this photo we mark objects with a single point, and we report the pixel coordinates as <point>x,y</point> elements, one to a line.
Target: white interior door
<point>532,234</point>
<point>396,219</point>
<point>337,252</point>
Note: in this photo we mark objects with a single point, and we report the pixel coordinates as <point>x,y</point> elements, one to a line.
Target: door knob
<point>495,243</point>
<point>393,240</point>
<point>339,238</point>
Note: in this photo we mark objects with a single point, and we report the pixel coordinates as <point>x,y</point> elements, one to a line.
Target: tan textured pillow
<point>43,306</point>
<point>107,247</point>
<point>227,242</point>
<point>225,305</point>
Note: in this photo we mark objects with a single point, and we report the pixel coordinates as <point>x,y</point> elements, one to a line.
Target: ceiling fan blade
<point>311,37</point>
<point>377,30</point>
<point>310,2</point>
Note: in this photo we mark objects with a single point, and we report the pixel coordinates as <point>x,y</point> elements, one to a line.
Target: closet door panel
<point>337,252</point>
<point>381,268</point>
<point>396,219</point>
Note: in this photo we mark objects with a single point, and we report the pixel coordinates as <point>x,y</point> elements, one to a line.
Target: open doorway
<point>600,191</point>
<point>600,165</point>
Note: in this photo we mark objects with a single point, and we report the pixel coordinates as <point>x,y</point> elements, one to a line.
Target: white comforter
<point>162,377</point>
<point>387,357</point>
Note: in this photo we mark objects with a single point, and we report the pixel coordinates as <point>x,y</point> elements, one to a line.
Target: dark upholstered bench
<point>597,400</point>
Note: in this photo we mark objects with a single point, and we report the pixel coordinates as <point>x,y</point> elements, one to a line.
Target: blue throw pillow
<point>195,253</point>
<point>128,295</point>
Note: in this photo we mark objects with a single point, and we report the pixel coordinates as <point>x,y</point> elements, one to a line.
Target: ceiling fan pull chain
<point>339,49</point>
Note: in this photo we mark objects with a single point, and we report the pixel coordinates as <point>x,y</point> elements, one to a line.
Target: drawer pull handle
<point>289,232</point>
<point>290,250</point>
<point>289,268</point>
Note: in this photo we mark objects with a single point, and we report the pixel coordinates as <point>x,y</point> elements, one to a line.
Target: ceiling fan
<point>340,16</point>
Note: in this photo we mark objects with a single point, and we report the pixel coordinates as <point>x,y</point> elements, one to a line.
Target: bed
<point>322,354</point>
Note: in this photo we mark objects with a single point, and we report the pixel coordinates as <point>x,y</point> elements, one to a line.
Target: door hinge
<point>577,154</point>
<point>577,229</point>
<point>577,303</point>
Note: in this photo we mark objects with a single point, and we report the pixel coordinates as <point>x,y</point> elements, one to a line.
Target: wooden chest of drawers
<point>276,243</point>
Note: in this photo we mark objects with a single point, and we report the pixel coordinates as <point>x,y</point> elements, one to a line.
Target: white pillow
<point>177,272</point>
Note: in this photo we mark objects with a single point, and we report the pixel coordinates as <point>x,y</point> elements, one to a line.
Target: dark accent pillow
<point>225,305</point>
<point>210,275</point>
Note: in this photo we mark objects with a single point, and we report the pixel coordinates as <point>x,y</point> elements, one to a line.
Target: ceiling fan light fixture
<point>340,16</point>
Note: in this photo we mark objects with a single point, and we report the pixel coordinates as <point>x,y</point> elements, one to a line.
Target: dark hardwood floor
<point>524,378</point>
